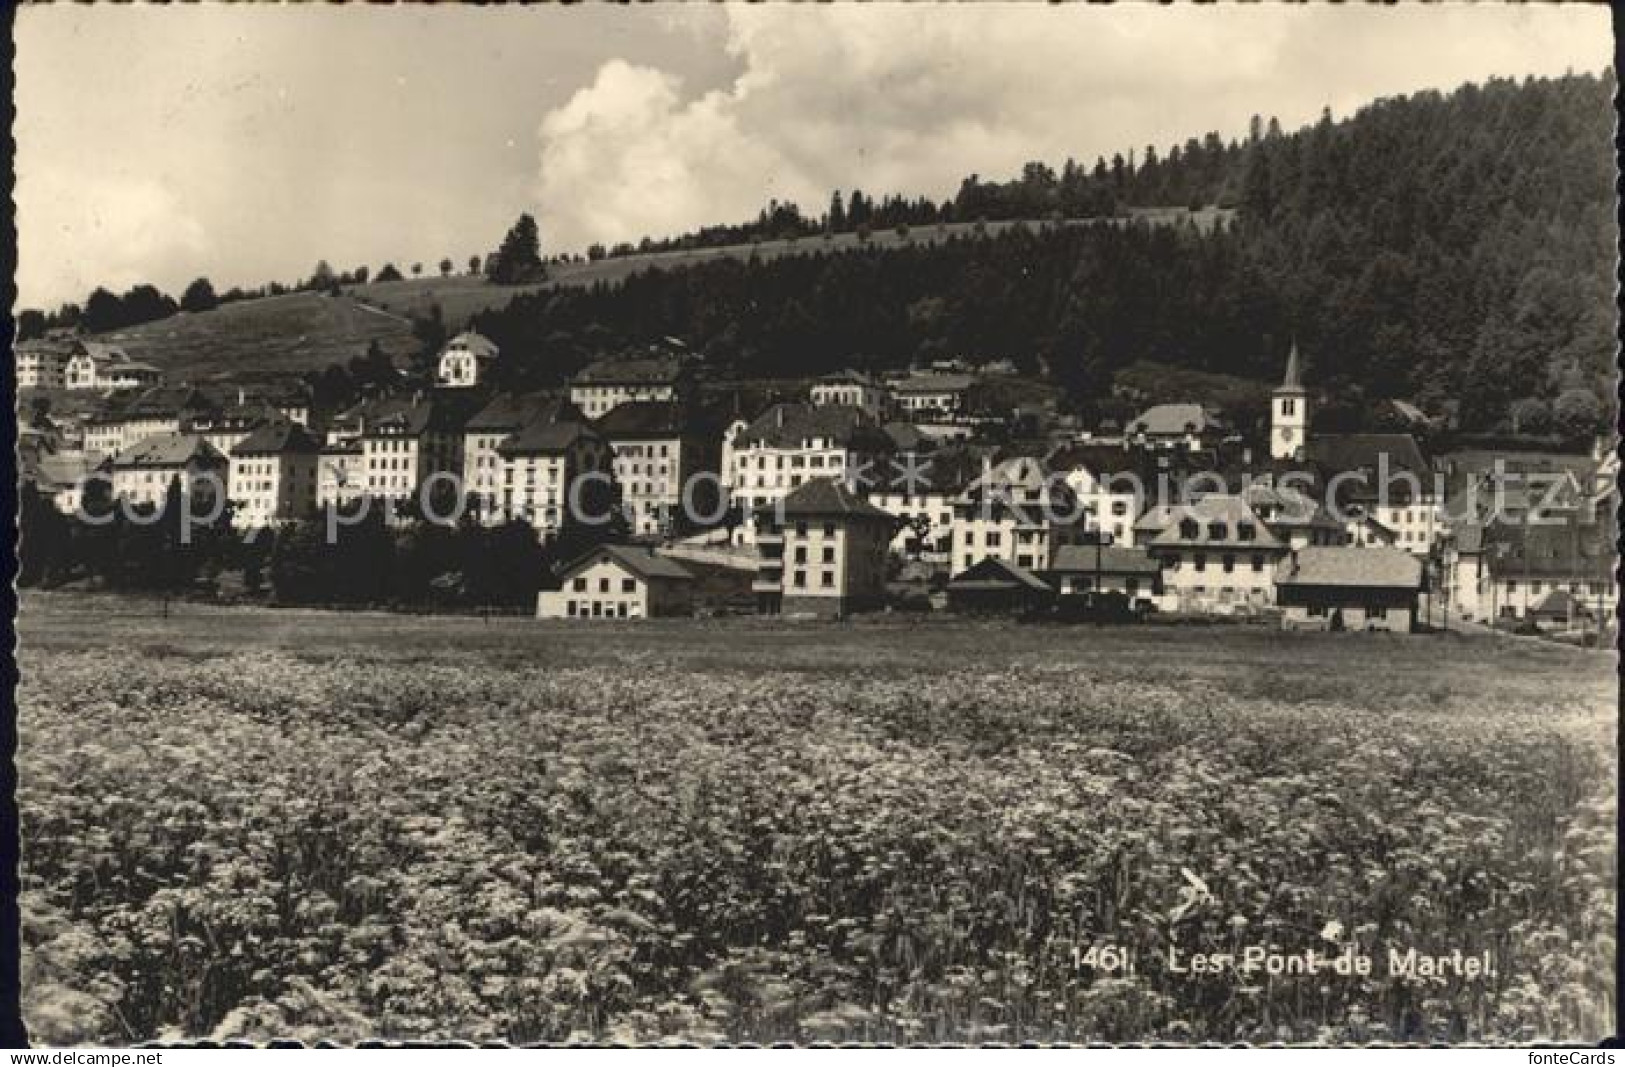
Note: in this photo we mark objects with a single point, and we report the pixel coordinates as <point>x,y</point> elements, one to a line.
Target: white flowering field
<point>250,826</point>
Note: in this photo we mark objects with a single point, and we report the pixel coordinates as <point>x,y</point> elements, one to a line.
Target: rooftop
<point>1174,420</point>
<point>635,558</point>
<point>1103,559</point>
<point>793,425</point>
<point>832,498</point>
<point>169,450</point>
<point>277,438</point>
<point>1348,566</point>
<point>646,370</point>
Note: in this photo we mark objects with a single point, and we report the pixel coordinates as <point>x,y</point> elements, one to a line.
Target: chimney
<point>242,396</point>
<point>780,412</point>
<point>1247,457</point>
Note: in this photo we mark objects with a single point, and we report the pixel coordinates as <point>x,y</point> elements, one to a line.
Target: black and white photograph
<point>815,525</point>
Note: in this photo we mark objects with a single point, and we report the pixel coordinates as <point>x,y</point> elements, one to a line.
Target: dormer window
<point>1217,531</point>
<point>1246,531</point>
<point>1189,530</point>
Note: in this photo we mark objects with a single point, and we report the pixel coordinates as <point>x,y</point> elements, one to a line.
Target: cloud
<point>127,229</point>
<point>900,98</point>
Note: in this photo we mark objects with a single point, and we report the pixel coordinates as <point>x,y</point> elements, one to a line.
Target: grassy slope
<point>255,339</point>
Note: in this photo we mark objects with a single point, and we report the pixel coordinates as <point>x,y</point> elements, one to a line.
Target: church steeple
<point>1293,382</point>
<point>1289,411</point>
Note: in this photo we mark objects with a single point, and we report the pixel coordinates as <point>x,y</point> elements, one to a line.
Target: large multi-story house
<point>1216,554</point>
<point>789,445</point>
<point>1506,569</point>
<point>1112,483</point>
<point>484,433</point>
<point>1019,511</point>
<point>464,360</point>
<point>599,387</point>
<point>274,474</point>
<point>553,473</point>
<point>42,364</point>
<point>852,389</point>
<point>660,448</point>
<point>404,441</point>
<point>822,551</point>
<point>920,487</point>
<point>1384,476</point>
<point>341,474</point>
<point>144,472</point>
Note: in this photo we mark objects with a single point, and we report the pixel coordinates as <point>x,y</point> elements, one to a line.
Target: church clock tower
<point>1289,412</point>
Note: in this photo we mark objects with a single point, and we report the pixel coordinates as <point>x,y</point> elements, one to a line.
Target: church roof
<point>1293,381</point>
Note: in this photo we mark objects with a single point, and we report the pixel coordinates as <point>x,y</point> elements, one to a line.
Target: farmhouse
<point>1109,568</point>
<point>1350,588</point>
<point>144,472</point>
<point>993,586</point>
<point>821,551</point>
<point>932,397</point>
<point>464,360</point>
<point>1175,426</point>
<point>274,475</point>
<point>600,386</point>
<point>619,582</point>
<point>658,446</point>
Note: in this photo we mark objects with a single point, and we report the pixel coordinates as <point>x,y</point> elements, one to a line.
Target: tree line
<point>1452,249</point>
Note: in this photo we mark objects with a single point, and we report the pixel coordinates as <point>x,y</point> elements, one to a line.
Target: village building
<point>822,551</point>
<point>483,434</point>
<point>41,364</point>
<point>144,472</point>
<point>124,419</point>
<point>659,448</point>
<point>1079,570</point>
<point>1217,556</point>
<point>65,478</point>
<point>1347,588</point>
<point>919,487</point>
<point>1296,518</point>
<point>274,474</point>
<point>130,375</point>
<point>931,397</point>
<point>1111,483</point>
<point>1519,564</point>
<point>1362,530</point>
<point>341,475</point>
<point>553,473</point>
<point>852,389</point>
<point>995,586</point>
<point>1175,426</point>
<point>464,361</point>
<point>404,441</point>
<point>1019,511</point>
<point>619,582</point>
<point>1384,476</point>
<point>789,445</point>
<point>600,386</point>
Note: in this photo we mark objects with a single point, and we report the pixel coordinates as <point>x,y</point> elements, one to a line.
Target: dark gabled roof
<point>169,450</point>
<point>403,414</point>
<point>1569,550</point>
<point>546,438</point>
<point>789,425</point>
<point>648,418</point>
<point>1102,559</point>
<point>992,574</point>
<point>277,438</point>
<point>479,345</point>
<point>1218,520</point>
<point>155,402</point>
<point>1174,420</point>
<point>830,498</point>
<point>1561,603</point>
<point>1335,453</point>
<point>906,437</point>
<point>635,558</point>
<point>508,412</point>
<point>1353,567</point>
<point>647,370</point>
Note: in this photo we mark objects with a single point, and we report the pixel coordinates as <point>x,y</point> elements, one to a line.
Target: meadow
<point>249,825</point>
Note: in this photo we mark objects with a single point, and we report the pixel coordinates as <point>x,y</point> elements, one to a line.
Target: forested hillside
<point>1443,247</point>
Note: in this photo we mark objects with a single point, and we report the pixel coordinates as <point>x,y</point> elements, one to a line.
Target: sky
<point>158,143</point>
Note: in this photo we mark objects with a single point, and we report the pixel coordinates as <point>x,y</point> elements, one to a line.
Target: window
<point>1512,587</point>
<point>580,585</point>
<point>1200,561</point>
<point>829,553</point>
<point>1534,587</point>
<point>1258,562</point>
<point>801,579</point>
<point>801,529</point>
<point>801,553</point>
<point>570,608</point>
<point>620,609</point>
<point>1229,563</point>
<point>829,529</point>
<point>993,539</point>
<point>629,585</point>
<point>1246,531</point>
<point>1024,560</point>
<point>1189,530</point>
<point>1217,531</point>
<point>1133,586</point>
<point>828,580</point>
<point>1317,610</point>
<point>603,585</point>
